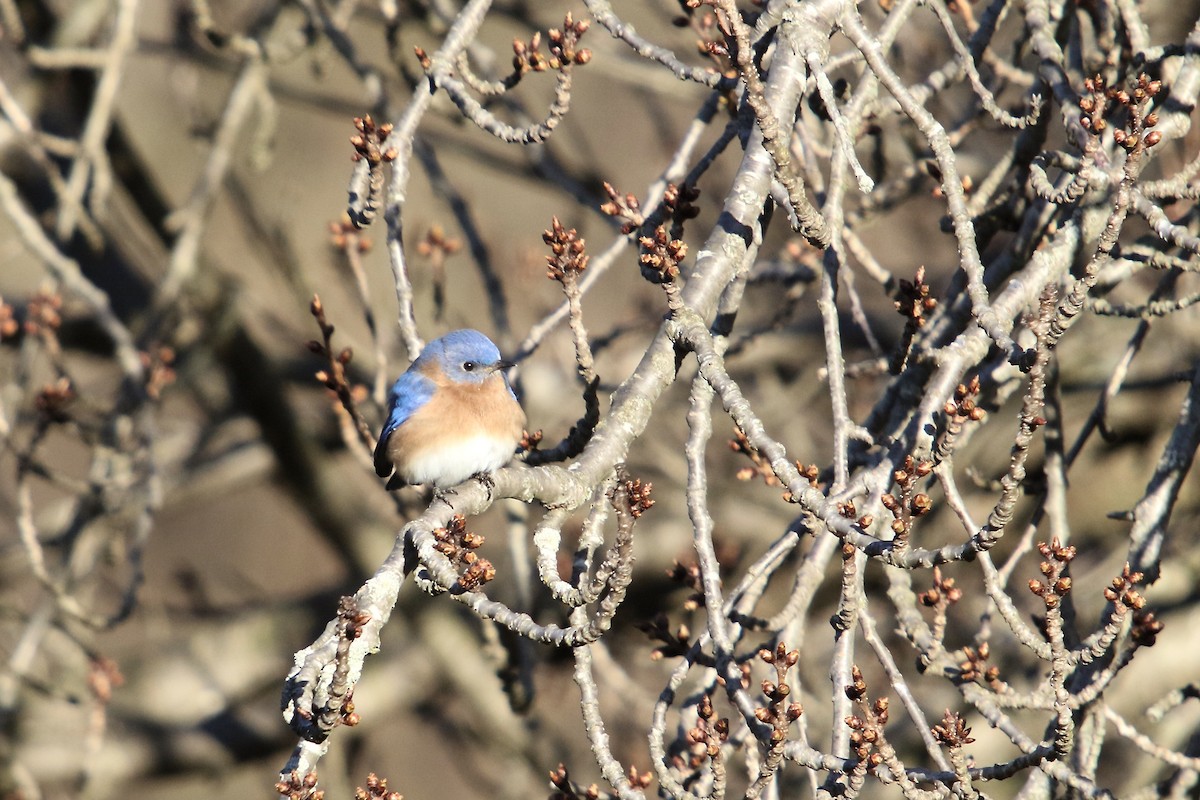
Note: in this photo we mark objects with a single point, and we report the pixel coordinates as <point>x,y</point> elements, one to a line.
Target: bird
<point>451,416</point>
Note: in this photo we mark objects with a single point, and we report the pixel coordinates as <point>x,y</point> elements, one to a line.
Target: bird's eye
<point>469,366</point>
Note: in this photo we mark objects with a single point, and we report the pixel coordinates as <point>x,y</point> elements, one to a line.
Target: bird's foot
<point>441,495</point>
<point>489,484</point>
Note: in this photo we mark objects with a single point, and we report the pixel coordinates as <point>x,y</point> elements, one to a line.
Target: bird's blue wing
<point>410,391</point>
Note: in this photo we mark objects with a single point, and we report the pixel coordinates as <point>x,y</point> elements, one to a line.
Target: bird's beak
<point>502,364</point>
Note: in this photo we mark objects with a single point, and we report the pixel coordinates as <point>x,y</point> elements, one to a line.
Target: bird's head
<point>465,356</point>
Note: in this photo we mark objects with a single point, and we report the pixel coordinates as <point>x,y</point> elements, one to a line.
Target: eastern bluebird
<point>451,415</point>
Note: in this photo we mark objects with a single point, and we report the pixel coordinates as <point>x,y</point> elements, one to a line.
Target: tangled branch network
<point>873,338</point>
<point>1040,237</point>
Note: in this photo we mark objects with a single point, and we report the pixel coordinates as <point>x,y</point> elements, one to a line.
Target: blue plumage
<point>410,391</point>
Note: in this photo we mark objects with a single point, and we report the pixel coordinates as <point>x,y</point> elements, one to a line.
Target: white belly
<point>446,466</point>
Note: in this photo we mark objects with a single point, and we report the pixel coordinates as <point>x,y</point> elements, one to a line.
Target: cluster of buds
<point>530,440</point>
<point>527,56</point>
<point>1102,101</point>
<point>913,300</point>
<point>911,504</point>
<point>810,473</point>
<point>944,592</point>
<point>565,51</point>
<point>778,713</point>
<point>43,315</point>
<point>300,787</point>
<point>8,321</point>
<point>368,140</point>
<point>849,510</point>
<point>568,257</point>
<point>345,236</point>
<point>623,206</point>
<point>1146,628</point>
<point>376,789</point>
<point>688,575</point>
<point>639,498</point>
<point>638,780</point>
<point>346,713</point>
<point>52,401</point>
<point>963,408</point>
<point>1057,585</point>
<point>965,405</point>
<point>333,377</point>
<point>974,665</point>
<point>708,735</point>
<point>1122,593</point>
<point>351,620</point>
<point>1136,137</point>
<point>436,245</point>
<point>674,642</point>
<point>458,545</point>
<point>863,739</point>
<point>1094,104</point>
<point>564,43</point>
<point>857,690</point>
<point>713,32</point>
<point>759,466</point>
<point>953,732</point>
<point>866,727</point>
<point>158,370</point>
<point>661,256</point>
<point>914,304</point>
